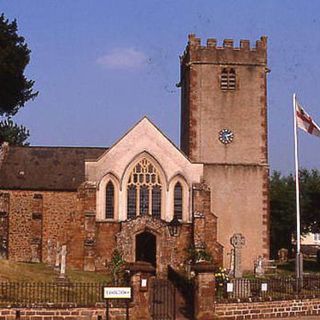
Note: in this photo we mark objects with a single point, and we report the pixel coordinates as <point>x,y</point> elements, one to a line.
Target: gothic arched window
<point>144,190</point>
<point>178,200</point>
<point>110,200</point>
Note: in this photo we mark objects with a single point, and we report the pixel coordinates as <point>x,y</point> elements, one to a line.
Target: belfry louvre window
<point>144,190</point>
<point>110,200</point>
<point>178,200</point>
<point>228,79</point>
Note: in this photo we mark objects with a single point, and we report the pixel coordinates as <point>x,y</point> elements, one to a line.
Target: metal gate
<point>163,302</point>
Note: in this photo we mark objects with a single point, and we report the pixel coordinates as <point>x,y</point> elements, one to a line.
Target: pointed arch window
<point>144,190</point>
<point>110,200</point>
<point>178,200</point>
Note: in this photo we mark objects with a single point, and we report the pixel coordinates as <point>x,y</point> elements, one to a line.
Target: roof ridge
<point>57,147</point>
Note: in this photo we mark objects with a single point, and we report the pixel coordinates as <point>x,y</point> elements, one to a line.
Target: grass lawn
<point>39,272</point>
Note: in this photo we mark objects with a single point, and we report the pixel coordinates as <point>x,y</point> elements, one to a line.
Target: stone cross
<point>237,241</point>
<point>63,261</point>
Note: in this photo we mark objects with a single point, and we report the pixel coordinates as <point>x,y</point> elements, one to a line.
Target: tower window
<point>110,201</point>
<point>228,79</point>
<point>144,190</point>
<point>178,200</point>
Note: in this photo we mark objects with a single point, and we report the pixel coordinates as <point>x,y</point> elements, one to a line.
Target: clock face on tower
<point>226,136</point>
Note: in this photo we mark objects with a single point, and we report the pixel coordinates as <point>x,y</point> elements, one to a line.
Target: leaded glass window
<point>178,200</point>
<point>132,201</point>
<point>146,183</point>
<point>156,201</point>
<point>110,200</point>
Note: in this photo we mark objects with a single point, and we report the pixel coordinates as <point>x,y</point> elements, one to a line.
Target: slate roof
<point>46,168</point>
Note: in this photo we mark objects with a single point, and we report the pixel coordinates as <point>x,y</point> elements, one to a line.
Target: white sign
<point>117,293</point>
<point>264,287</point>
<point>229,287</point>
<point>143,283</point>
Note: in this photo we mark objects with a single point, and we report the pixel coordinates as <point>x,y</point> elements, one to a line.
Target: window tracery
<point>144,190</point>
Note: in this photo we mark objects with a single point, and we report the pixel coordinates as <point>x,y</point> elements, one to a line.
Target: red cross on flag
<point>305,122</point>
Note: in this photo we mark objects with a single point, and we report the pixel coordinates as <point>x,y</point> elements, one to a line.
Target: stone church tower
<point>224,126</point>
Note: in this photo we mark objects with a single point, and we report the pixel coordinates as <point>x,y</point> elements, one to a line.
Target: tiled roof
<point>45,168</point>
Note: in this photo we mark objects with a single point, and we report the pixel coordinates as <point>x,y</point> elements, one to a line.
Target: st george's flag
<point>305,122</point>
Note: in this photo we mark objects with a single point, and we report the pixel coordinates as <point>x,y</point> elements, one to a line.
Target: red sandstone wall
<point>105,243</point>
<point>34,219</point>
<point>60,314</point>
<point>272,309</point>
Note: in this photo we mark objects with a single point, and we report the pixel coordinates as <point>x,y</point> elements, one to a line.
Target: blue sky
<point>101,65</point>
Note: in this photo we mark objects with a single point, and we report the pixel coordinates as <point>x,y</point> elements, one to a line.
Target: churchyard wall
<point>267,309</point>
<point>61,313</point>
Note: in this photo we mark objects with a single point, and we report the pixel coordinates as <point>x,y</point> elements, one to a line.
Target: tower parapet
<point>227,53</point>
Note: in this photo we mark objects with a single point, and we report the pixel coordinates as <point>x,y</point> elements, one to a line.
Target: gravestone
<point>258,267</point>
<point>283,255</point>
<point>57,262</point>
<point>49,253</point>
<point>63,262</point>
<point>237,241</point>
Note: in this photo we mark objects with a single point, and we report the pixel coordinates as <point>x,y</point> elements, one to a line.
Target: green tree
<point>13,133</point>
<point>15,88</point>
<point>283,207</point>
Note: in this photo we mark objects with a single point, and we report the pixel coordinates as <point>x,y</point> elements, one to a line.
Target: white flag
<point>305,122</point>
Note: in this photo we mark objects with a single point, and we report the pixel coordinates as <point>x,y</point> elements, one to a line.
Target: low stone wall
<point>60,313</point>
<point>267,309</point>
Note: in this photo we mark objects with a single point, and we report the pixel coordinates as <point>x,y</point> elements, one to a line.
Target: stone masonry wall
<point>205,223</point>
<point>38,220</point>
<point>240,200</point>
<point>268,309</point>
<point>170,250</point>
<point>105,243</point>
<point>237,173</point>
<point>208,109</point>
<point>230,311</point>
<point>61,313</point>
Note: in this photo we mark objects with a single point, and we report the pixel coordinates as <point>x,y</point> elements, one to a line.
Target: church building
<point>144,196</point>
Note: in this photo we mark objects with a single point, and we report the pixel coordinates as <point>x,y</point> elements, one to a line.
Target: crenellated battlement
<point>227,43</point>
<point>227,51</point>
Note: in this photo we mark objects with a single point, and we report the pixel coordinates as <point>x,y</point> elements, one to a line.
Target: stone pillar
<point>90,241</point>
<point>140,307</point>
<point>204,294</point>
<point>87,194</point>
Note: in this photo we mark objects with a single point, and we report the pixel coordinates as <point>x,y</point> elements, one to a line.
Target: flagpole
<point>299,271</point>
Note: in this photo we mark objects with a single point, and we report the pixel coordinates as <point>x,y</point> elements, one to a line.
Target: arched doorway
<point>146,248</point>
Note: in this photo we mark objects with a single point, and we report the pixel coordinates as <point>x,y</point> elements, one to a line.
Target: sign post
<point>116,293</point>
